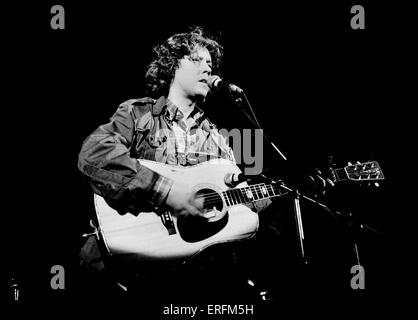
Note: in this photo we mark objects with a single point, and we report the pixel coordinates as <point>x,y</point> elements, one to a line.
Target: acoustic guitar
<point>227,213</point>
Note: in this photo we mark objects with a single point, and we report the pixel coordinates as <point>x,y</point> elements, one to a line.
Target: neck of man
<point>181,101</point>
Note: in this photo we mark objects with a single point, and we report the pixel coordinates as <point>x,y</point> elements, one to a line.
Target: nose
<point>206,68</point>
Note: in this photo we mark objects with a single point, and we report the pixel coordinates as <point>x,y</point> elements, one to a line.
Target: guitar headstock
<point>367,171</point>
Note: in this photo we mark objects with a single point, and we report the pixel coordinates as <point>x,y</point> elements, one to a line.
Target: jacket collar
<point>162,105</point>
<point>158,106</point>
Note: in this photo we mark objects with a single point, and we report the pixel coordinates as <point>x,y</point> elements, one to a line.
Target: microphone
<point>215,83</point>
<point>232,179</point>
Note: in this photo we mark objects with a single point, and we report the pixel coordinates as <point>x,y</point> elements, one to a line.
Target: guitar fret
<point>244,195</point>
<point>231,198</point>
<point>249,194</point>
<point>259,194</point>
<point>254,192</point>
<point>239,195</point>
<point>228,196</point>
<point>270,188</point>
<point>264,191</point>
<point>234,199</point>
<point>225,197</point>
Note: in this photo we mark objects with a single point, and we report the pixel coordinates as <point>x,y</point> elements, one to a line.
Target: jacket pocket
<point>155,148</point>
<point>137,148</point>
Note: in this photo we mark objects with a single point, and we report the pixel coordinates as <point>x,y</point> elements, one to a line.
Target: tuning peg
<point>377,185</point>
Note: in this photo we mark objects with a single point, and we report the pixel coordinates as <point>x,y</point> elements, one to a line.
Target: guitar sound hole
<point>211,200</point>
<point>196,228</point>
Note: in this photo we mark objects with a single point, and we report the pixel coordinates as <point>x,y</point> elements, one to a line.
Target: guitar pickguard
<point>195,228</point>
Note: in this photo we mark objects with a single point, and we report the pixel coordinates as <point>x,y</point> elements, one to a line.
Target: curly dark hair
<point>167,56</point>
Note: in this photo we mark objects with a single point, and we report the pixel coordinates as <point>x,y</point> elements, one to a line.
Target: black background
<point>317,87</point>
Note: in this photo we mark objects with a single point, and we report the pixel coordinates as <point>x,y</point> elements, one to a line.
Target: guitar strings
<point>242,202</point>
<point>256,187</point>
<point>237,198</point>
<point>212,198</point>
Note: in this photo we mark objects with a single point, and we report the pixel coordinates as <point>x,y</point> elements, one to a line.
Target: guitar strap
<point>91,254</point>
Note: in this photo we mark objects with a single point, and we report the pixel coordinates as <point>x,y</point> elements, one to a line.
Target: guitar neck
<point>251,193</point>
<point>369,171</point>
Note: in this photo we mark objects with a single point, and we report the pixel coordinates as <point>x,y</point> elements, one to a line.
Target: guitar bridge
<point>168,222</point>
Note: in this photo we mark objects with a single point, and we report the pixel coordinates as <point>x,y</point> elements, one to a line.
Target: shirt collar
<point>173,113</point>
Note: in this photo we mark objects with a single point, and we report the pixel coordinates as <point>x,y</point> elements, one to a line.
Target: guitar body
<point>150,236</point>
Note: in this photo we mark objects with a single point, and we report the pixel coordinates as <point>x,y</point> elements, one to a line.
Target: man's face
<point>193,72</point>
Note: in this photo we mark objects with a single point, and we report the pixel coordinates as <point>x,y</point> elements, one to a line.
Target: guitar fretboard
<point>359,172</point>
<point>340,175</point>
<point>251,193</point>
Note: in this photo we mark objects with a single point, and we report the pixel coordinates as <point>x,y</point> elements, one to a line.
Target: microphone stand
<point>352,231</point>
<point>297,195</point>
<point>299,224</point>
<point>238,101</point>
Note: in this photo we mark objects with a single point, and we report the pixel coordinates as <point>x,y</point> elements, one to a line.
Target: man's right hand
<point>183,201</point>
